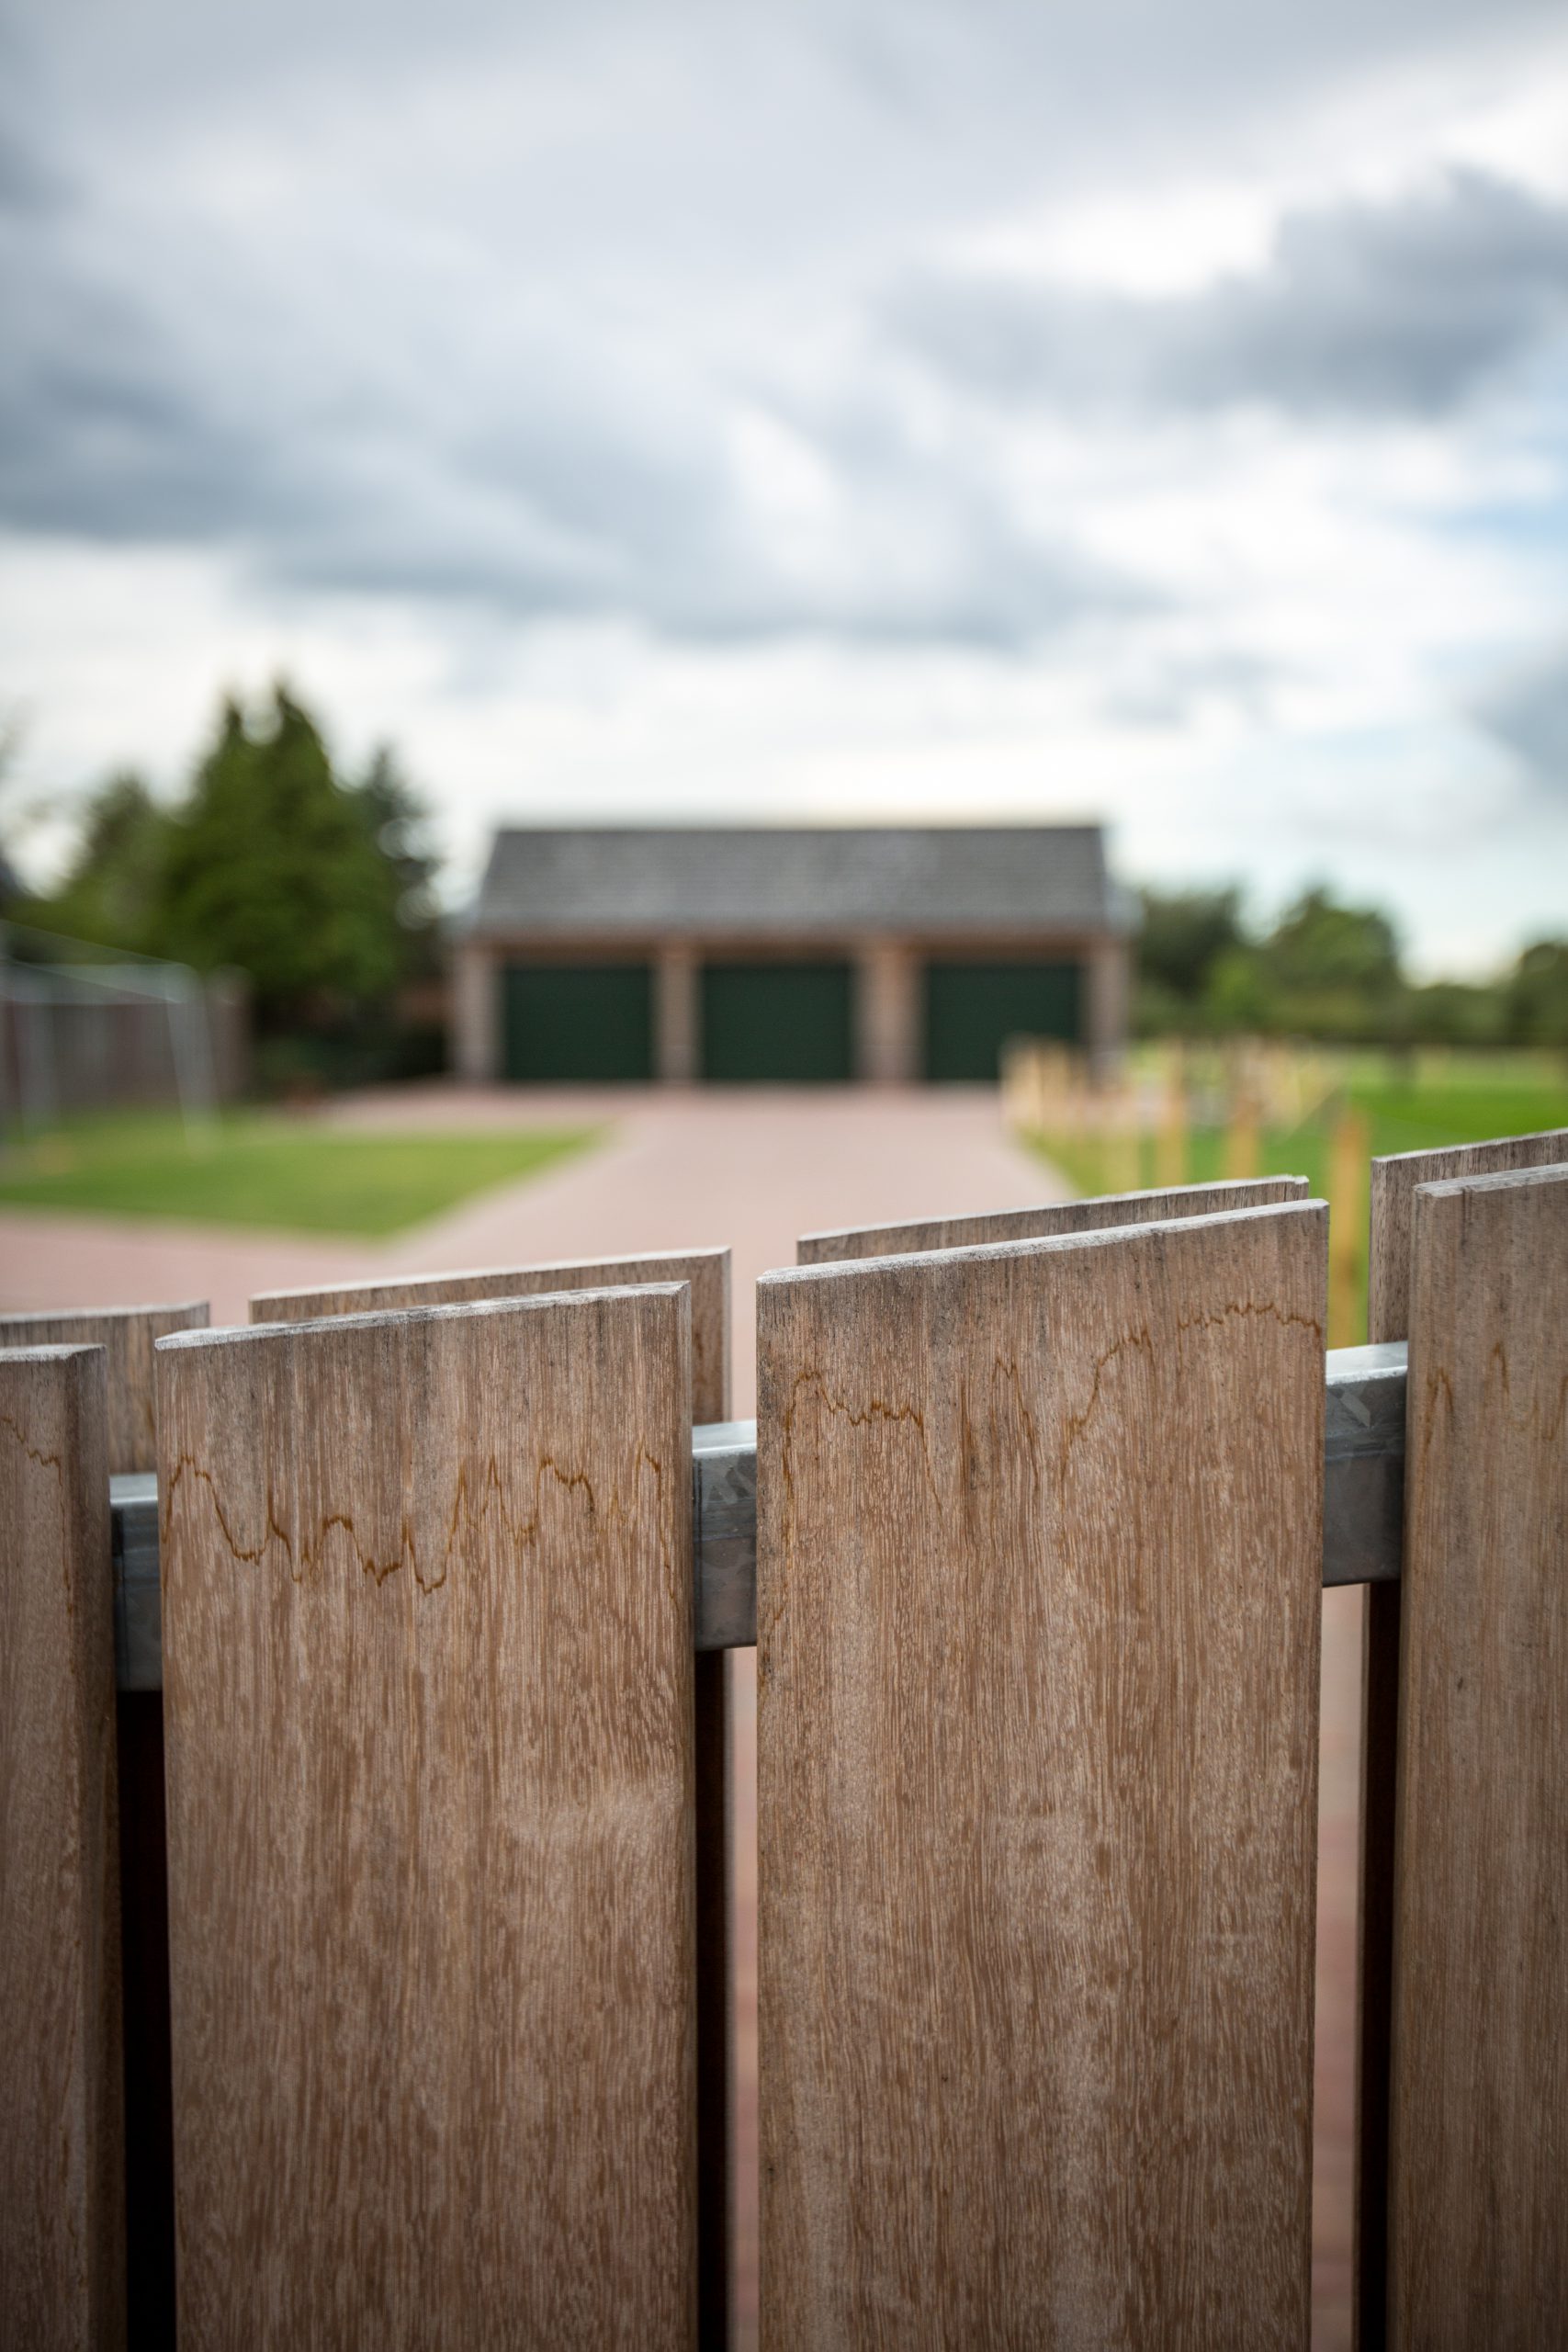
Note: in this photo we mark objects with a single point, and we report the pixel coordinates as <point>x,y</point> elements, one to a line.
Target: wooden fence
<point>414,2030</point>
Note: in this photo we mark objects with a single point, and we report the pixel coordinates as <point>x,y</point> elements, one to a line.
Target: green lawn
<point>1448,1100</point>
<point>255,1169</point>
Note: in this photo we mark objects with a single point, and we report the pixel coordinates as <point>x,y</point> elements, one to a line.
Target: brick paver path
<point>752,1168</point>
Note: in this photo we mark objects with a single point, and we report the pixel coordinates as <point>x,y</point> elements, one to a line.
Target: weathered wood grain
<point>708,1270</point>
<point>1108,1209</point>
<point>1039,1557</point>
<point>61,2153</point>
<point>1393,1189</point>
<point>427,1622</point>
<point>1394,1183</point>
<point>1479,2146</point>
<point>128,1336</point>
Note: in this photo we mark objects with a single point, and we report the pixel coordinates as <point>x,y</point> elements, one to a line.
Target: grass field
<point>250,1168</point>
<point>1406,1106</point>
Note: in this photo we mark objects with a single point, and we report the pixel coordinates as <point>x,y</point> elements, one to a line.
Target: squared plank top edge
<point>711,1253</point>
<point>1394,1179</point>
<point>1031,1244</point>
<point>52,1350</point>
<point>1498,1179</point>
<point>127,1335</point>
<point>102,1314</point>
<point>1491,1144</point>
<point>821,1247</point>
<point>395,1317</point>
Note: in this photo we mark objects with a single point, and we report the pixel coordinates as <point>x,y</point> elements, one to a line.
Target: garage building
<point>786,955</point>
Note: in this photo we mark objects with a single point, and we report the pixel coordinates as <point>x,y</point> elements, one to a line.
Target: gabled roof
<point>822,879</point>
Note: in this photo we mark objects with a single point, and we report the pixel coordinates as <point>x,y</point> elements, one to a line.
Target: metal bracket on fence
<point>1363,1515</point>
<point>1363,1465</point>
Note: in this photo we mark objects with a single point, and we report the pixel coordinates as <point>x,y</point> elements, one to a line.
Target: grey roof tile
<point>798,880</point>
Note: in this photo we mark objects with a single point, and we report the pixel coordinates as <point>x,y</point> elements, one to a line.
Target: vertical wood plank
<point>707,1271</point>
<point>1394,1183</point>
<point>428,1682</point>
<point>1105,1210</point>
<point>1393,1191</point>
<point>1479,2144</point>
<point>1039,1551</point>
<point>128,1336</point>
<point>62,2155</point>
<point>708,1274</point>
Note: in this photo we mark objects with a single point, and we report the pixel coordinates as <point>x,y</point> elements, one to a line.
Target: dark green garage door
<point>791,1024</point>
<point>578,1021</point>
<point>973,1008</point>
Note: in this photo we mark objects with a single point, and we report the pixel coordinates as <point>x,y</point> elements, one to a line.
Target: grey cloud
<point>466,310</point>
<point>557,472</point>
<point>1530,716</point>
<point>1405,308</point>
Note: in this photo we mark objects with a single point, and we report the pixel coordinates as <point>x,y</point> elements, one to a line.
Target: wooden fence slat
<point>1039,1549</point>
<point>1105,1210</point>
<point>61,2153</point>
<point>128,1336</point>
<point>708,1274</point>
<point>427,1624</point>
<point>708,1270</point>
<point>1479,2139</point>
<point>1393,1189</point>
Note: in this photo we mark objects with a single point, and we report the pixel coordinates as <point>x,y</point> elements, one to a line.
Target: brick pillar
<point>677,1046</point>
<point>887,1011</point>
<point>476,1012</point>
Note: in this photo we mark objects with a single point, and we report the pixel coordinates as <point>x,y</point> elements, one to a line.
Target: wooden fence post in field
<point>1394,1182</point>
<point>1243,1140</point>
<point>1479,2140</point>
<point>61,2154</point>
<point>1170,1141</point>
<point>1039,1562</point>
<point>1124,1155</point>
<point>427,1627</point>
<point>1347,1226</point>
<point>708,1274</point>
<point>127,1335</point>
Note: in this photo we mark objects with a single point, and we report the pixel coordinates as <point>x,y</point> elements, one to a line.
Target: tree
<point>112,890</point>
<point>1184,934</point>
<point>1320,948</point>
<point>274,866</point>
<point>1537,994</point>
<point>399,825</point>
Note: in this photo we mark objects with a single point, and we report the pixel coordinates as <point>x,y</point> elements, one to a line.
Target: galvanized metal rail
<point>1362,1524</point>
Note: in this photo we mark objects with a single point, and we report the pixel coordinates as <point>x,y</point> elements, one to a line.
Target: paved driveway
<point>752,1168</point>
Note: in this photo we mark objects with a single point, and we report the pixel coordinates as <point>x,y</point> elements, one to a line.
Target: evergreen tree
<point>398,827</point>
<point>276,867</point>
<point>112,890</point>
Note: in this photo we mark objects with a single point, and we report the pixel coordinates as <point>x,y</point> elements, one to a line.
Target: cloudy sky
<point>846,408</point>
